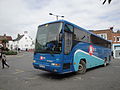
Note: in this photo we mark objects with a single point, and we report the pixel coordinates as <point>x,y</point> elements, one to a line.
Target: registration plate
<point>42,66</point>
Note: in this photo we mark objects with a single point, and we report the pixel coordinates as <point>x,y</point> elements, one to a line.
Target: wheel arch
<point>83,59</point>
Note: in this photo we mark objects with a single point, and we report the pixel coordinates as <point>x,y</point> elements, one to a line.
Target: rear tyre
<point>109,60</point>
<point>82,67</point>
<point>105,62</point>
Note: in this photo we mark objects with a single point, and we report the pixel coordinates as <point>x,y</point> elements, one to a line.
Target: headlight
<point>34,61</point>
<point>55,64</point>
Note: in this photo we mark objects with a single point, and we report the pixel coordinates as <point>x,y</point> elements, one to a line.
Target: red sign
<point>41,57</point>
<point>91,50</point>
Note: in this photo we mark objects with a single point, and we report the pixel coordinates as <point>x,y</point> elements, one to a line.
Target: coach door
<point>68,38</point>
<point>68,42</point>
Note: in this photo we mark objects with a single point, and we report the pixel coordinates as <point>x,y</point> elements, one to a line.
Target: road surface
<point>22,76</point>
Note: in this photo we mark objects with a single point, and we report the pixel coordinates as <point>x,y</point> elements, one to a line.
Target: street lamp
<point>56,15</point>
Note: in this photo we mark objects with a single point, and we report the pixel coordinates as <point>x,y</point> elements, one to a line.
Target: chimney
<point>4,34</point>
<point>111,28</point>
<point>18,35</point>
<point>25,32</point>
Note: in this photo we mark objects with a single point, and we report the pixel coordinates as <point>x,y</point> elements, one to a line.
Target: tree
<point>118,31</point>
<point>4,41</point>
<point>109,1</point>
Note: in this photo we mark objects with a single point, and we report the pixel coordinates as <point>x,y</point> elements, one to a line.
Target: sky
<point>17,16</point>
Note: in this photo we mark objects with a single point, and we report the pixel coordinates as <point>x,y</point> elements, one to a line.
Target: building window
<point>26,45</point>
<point>25,37</point>
<point>114,38</point>
<point>103,35</point>
<point>118,38</point>
<point>117,47</point>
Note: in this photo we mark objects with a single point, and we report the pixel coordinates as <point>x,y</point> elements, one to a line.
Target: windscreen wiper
<point>51,53</point>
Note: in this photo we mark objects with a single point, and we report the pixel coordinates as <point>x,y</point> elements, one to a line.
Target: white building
<point>116,50</point>
<point>22,42</point>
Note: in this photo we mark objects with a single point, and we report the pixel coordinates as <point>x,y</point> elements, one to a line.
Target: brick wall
<point>113,36</point>
<point>116,38</point>
<point>107,31</point>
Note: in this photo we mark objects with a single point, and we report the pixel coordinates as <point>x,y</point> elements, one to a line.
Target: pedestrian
<point>112,54</point>
<point>3,59</point>
<point>0,54</point>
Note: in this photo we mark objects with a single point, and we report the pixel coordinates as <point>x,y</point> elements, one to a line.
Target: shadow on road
<point>56,76</point>
<point>48,75</point>
<point>97,67</point>
<point>94,68</point>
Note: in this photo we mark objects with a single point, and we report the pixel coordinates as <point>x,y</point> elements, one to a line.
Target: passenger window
<point>80,35</point>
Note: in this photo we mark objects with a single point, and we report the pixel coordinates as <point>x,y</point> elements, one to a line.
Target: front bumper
<point>49,68</point>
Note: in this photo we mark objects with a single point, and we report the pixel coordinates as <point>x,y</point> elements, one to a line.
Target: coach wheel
<point>109,60</point>
<point>82,67</point>
<point>105,62</point>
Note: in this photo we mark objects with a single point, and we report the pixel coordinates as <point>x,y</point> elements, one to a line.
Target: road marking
<point>18,71</point>
<point>32,78</point>
<point>78,78</point>
<point>116,66</point>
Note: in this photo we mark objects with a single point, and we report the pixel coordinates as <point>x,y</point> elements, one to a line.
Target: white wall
<point>116,50</point>
<point>24,43</point>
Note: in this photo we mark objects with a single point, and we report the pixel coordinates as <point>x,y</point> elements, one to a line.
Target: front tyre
<point>82,67</point>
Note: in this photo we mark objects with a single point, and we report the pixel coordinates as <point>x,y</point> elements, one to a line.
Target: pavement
<point>22,76</point>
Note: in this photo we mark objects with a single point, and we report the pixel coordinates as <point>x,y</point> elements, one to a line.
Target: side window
<point>80,35</point>
<point>99,41</point>
<point>68,28</point>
